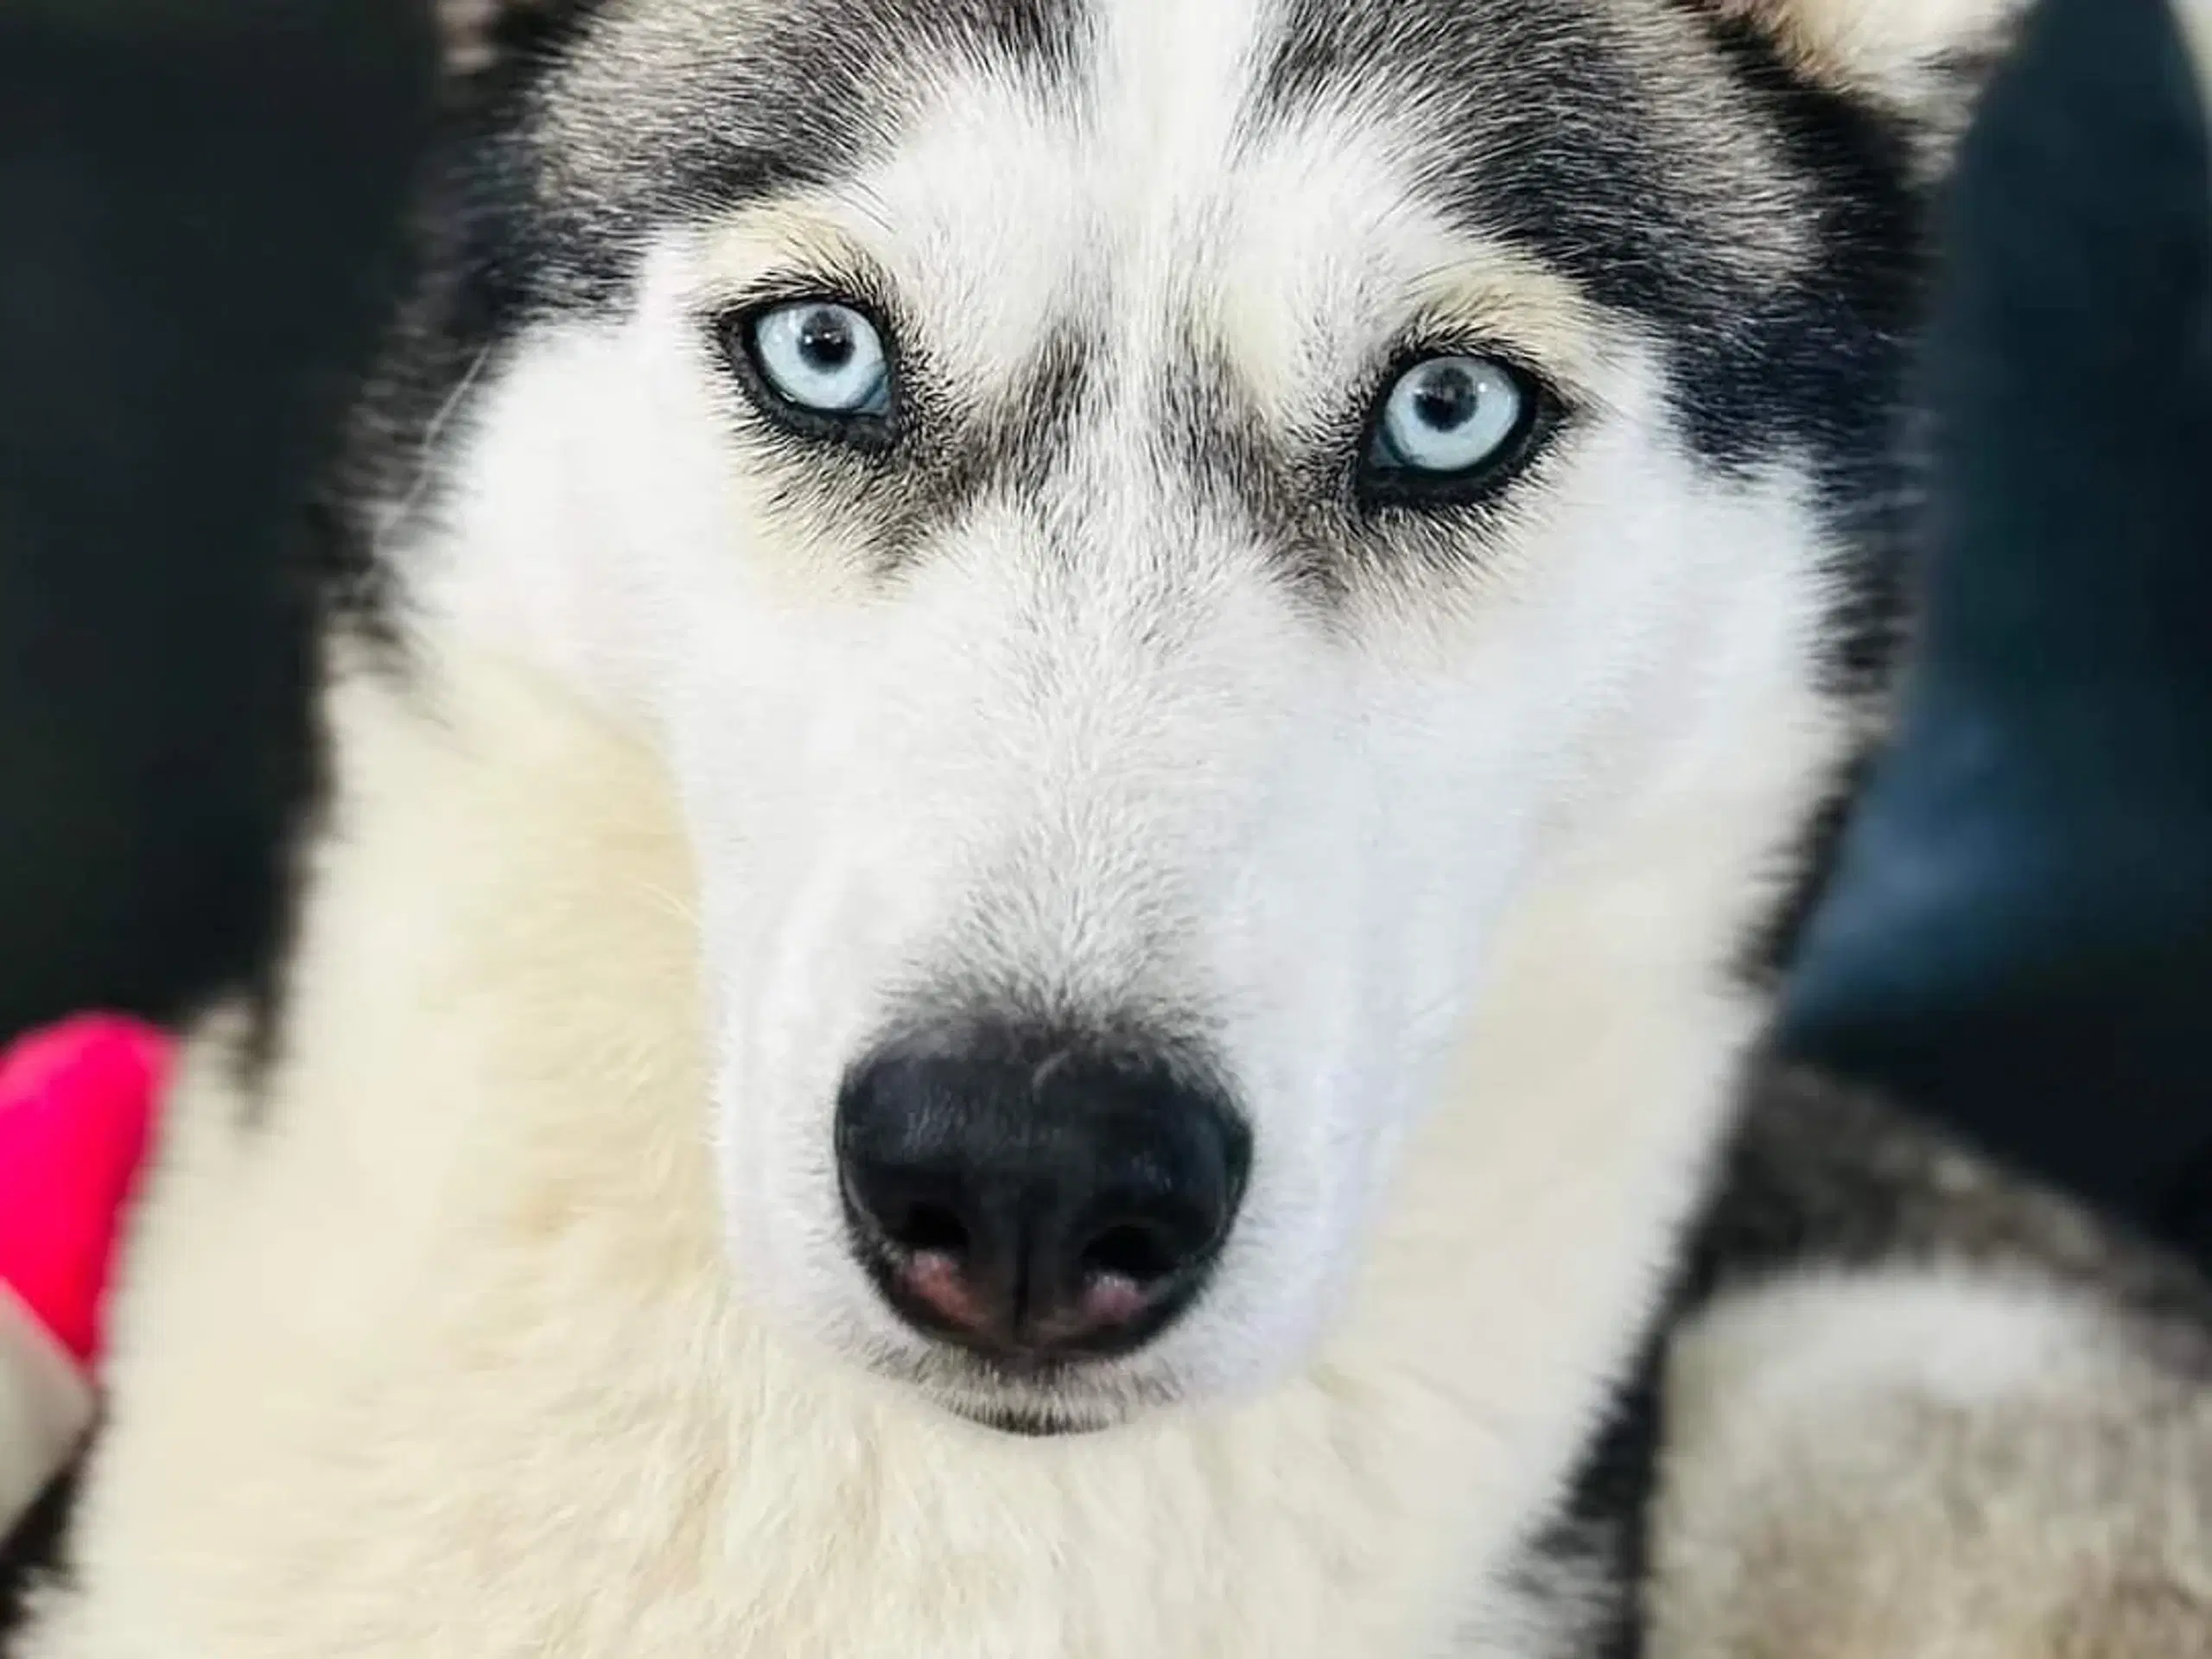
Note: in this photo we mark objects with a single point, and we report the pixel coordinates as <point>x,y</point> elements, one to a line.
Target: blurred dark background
<point>199,212</point>
<point>2020,935</point>
<point>199,215</point>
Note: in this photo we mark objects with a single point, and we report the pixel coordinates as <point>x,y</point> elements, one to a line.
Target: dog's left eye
<point>819,358</point>
<point>1449,421</point>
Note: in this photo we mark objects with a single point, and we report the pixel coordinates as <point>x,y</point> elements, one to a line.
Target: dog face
<point>1142,534</point>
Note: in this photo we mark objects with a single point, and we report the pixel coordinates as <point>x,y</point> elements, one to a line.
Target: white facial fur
<point>1087,743</point>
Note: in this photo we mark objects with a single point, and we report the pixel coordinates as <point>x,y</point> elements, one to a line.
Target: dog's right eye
<point>1452,427</point>
<point>820,361</point>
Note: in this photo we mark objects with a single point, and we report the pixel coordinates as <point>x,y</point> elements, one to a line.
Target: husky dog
<point>1066,741</point>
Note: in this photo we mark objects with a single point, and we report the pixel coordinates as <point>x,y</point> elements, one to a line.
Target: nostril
<point>929,1229</point>
<point>1141,1254</point>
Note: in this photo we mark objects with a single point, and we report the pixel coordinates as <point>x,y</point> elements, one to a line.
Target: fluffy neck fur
<point>450,1359</point>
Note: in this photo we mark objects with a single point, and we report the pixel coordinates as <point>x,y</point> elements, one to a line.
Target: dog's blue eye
<point>1449,416</point>
<point>824,357</point>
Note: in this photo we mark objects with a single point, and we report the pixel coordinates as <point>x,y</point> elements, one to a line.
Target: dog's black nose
<point>1036,1200</point>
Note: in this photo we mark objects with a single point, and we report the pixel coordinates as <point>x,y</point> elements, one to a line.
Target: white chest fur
<point>443,1357</point>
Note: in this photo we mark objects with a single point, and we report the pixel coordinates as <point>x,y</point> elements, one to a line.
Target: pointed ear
<point>1908,54</point>
<point>465,29</point>
<point>2196,19</point>
<point>479,34</point>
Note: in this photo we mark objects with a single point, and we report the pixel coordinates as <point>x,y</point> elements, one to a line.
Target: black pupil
<point>1446,397</point>
<point>825,340</point>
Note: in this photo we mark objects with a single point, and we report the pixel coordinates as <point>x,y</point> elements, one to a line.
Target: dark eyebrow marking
<point>1535,122</point>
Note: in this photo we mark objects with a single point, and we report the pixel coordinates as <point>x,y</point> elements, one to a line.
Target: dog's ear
<point>1916,57</point>
<point>481,34</point>
<point>466,30</point>
<point>2196,19</point>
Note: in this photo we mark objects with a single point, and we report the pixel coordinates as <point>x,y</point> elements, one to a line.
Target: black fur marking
<point>473,247</point>
<point>1600,1543</point>
<point>1215,437</point>
<point>1496,99</point>
<point>526,35</point>
<point>298,772</point>
<point>1833,360</point>
<point>36,1550</point>
<point>1587,1570</point>
<point>1773,947</point>
<point>1026,435</point>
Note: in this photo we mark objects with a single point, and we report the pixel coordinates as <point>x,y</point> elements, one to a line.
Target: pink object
<point>77,1105</point>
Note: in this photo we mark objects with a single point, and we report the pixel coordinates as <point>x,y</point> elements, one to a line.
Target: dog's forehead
<point>1661,165</point>
<point>1601,134</point>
